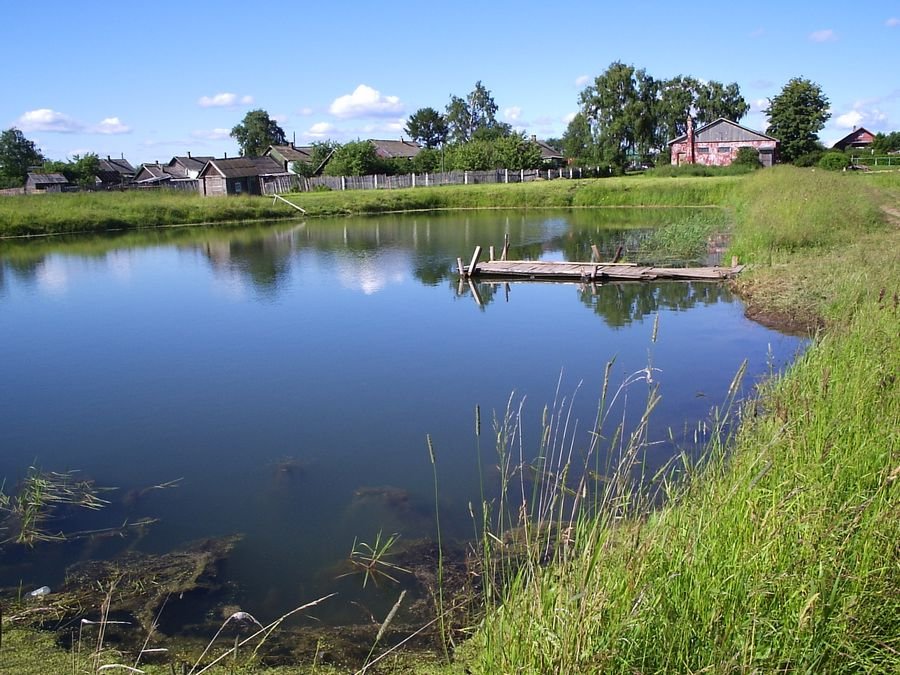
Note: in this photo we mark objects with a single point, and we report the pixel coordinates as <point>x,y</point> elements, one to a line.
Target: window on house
<point>237,187</point>
<point>703,150</point>
<point>723,149</point>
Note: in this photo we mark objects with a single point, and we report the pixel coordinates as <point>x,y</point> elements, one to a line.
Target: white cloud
<point>306,112</point>
<point>582,80</point>
<point>893,22</point>
<point>45,119</point>
<point>281,118</point>
<point>112,125</point>
<point>512,113</point>
<point>365,102</point>
<point>825,35</point>
<point>319,130</point>
<point>568,118</point>
<point>224,99</point>
<point>860,116</point>
<point>211,134</point>
<point>849,120</point>
<point>759,105</point>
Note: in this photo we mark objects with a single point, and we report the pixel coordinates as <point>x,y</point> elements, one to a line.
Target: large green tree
<point>357,158</point>
<point>428,127</point>
<point>256,132</point>
<point>619,105</point>
<point>885,143</point>
<point>80,170</point>
<point>683,96</point>
<point>321,151</point>
<point>475,117</point>
<point>17,156</point>
<point>795,117</point>
<point>578,141</point>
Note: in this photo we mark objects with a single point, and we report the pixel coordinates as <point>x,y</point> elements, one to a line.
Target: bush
<point>834,161</point>
<point>808,159</point>
<point>747,157</point>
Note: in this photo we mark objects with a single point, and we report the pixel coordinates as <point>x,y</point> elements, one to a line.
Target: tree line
<point>626,116</point>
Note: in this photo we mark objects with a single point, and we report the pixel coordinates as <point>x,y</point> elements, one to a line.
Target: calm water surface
<point>281,371</point>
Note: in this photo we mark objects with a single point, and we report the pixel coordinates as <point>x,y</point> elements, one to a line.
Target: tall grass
<point>97,212</point>
<point>778,551</point>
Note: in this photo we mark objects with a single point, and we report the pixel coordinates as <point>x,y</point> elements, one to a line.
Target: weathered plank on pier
<point>549,270</point>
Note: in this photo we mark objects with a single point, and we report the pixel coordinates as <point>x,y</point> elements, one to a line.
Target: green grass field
<point>778,552</point>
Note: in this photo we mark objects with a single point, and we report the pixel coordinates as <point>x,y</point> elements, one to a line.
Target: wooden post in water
<point>476,294</point>
<point>289,203</point>
<point>475,256</point>
<point>618,256</point>
<point>595,253</point>
<point>734,261</point>
<point>491,253</point>
<point>505,251</point>
<point>459,266</point>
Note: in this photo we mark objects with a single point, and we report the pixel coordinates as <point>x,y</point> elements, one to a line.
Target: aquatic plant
<point>371,560</point>
<point>40,499</point>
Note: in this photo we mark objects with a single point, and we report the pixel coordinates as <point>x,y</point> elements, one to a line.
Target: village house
<point>858,138</point>
<point>187,167</point>
<point>112,173</point>
<point>717,144</point>
<point>152,174</point>
<point>177,170</point>
<point>286,155</point>
<point>237,176</point>
<point>39,183</point>
<point>550,156</point>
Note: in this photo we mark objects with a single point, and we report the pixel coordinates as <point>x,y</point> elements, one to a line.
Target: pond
<point>286,376</point>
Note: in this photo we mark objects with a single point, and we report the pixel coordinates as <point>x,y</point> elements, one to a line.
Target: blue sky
<point>152,81</point>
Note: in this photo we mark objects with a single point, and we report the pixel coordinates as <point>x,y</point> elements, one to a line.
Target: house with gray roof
<point>238,175</point>
<point>717,144</point>
<point>550,156</point>
<point>396,149</point>
<point>40,183</point>
<point>113,173</point>
<point>187,166</point>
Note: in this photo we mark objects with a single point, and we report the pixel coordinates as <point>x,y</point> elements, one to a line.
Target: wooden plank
<point>581,271</point>
<point>475,255</point>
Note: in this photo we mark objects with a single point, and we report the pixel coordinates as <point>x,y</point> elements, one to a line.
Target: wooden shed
<point>717,144</point>
<point>45,182</point>
<point>237,176</point>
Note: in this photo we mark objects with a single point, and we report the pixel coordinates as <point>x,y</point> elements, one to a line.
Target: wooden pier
<point>593,272</point>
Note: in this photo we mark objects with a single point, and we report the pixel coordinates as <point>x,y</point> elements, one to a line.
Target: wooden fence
<point>270,185</point>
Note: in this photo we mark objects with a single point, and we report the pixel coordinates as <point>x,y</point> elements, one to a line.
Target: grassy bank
<point>97,212</point>
<point>779,553</point>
